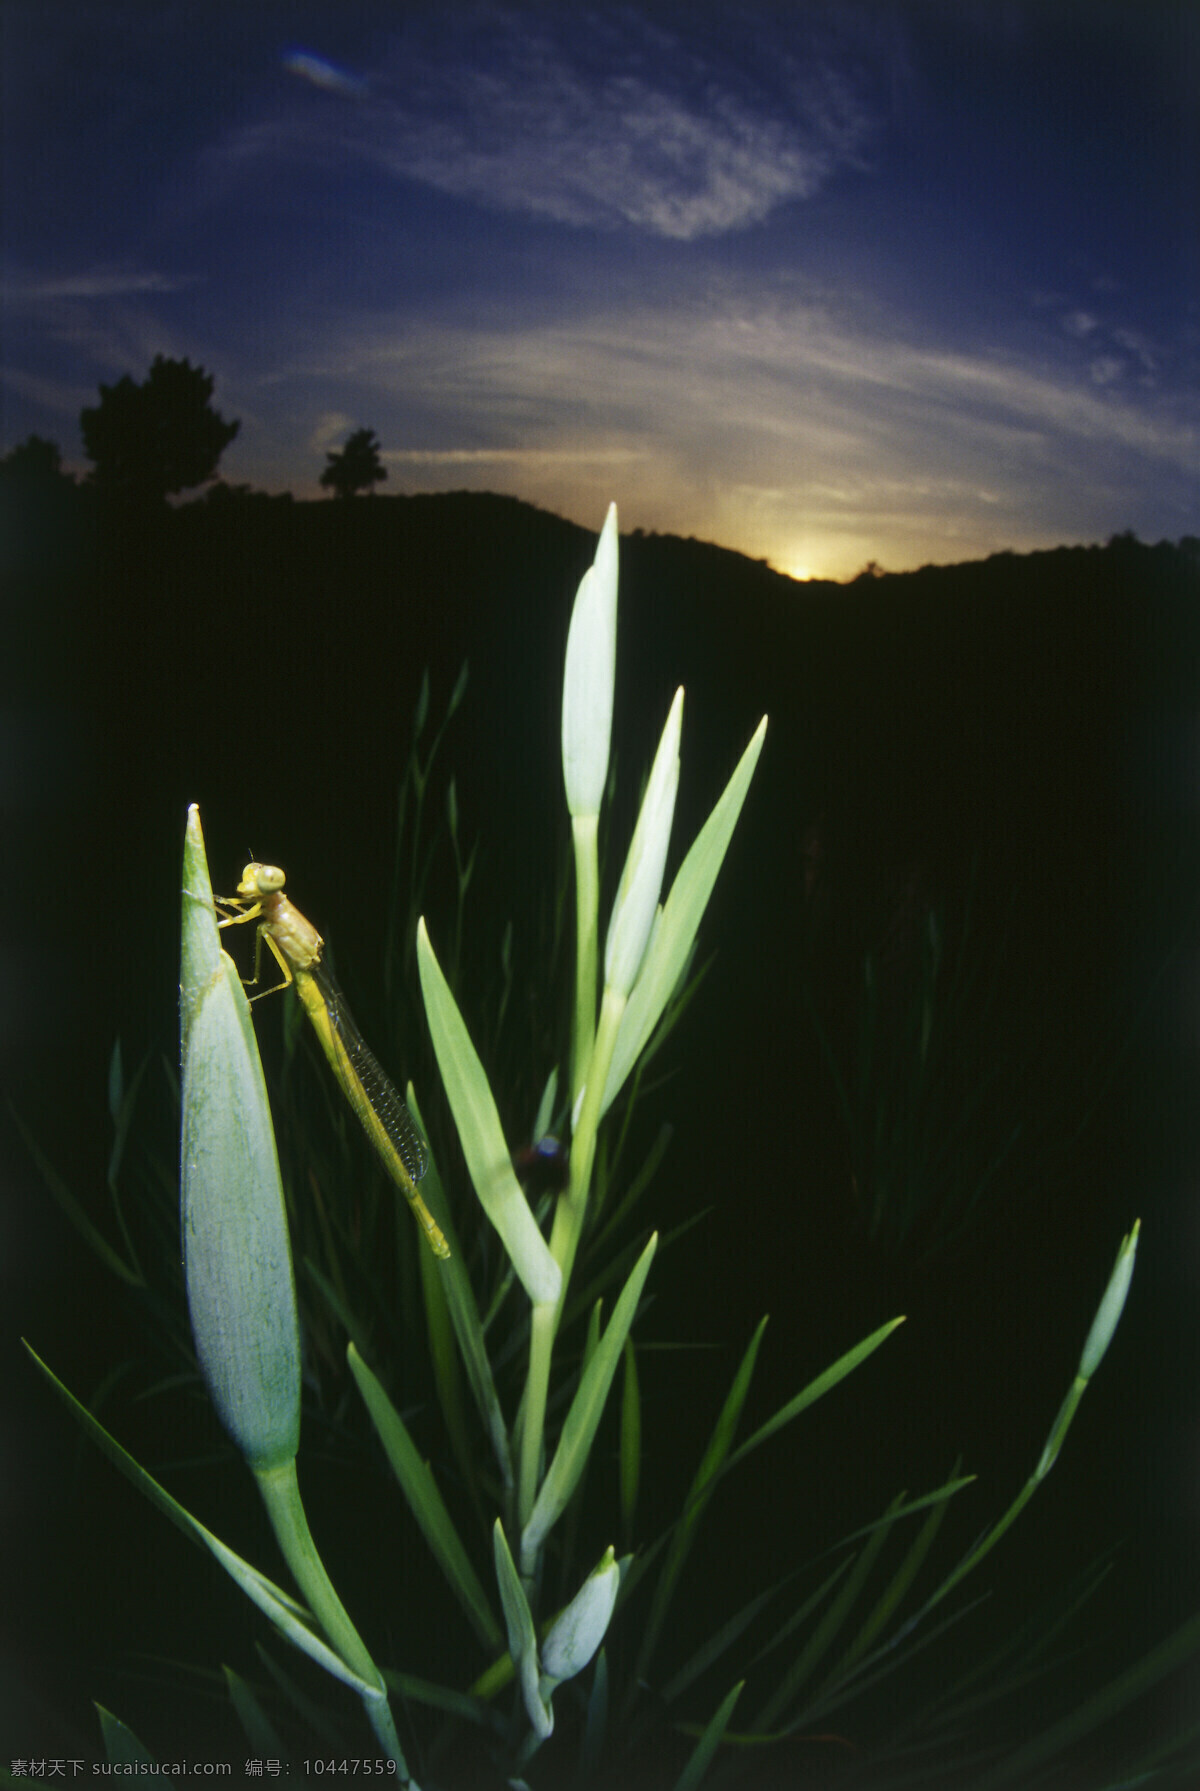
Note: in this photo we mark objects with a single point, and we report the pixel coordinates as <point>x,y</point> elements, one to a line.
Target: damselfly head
<point>260,880</point>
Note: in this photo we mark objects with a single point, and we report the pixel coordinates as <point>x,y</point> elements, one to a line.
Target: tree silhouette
<point>357,467</point>
<point>150,440</point>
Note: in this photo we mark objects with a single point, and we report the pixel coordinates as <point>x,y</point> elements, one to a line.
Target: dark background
<point>1021,732</point>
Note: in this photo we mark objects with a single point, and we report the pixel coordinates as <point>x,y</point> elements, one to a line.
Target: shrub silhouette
<point>151,440</point>
<point>35,461</point>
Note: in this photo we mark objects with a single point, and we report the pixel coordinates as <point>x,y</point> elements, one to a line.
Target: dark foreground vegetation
<point>942,1059</point>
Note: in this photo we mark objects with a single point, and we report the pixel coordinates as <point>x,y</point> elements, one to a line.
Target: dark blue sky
<point>824,283</point>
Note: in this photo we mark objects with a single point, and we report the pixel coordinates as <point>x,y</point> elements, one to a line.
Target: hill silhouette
<point>997,750</point>
<point>1004,727</point>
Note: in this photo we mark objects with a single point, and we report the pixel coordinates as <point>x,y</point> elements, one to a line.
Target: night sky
<point>827,284</point>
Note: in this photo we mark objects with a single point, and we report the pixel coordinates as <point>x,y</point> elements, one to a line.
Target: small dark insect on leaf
<point>542,1168</point>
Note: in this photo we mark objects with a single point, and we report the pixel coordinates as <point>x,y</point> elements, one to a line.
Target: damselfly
<point>296,946</point>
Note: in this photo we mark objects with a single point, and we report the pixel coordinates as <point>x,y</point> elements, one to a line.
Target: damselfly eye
<point>267,879</point>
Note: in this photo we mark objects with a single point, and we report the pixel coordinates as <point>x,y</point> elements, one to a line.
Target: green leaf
<point>710,1741</point>
<point>923,1503</point>
<point>901,1580</point>
<point>631,1443</point>
<point>671,942</point>
<point>261,1732</point>
<point>823,1636</point>
<point>237,1254</point>
<point>460,689</point>
<point>447,1699</point>
<point>589,674</point>
<point>579,1430</point>
<point>711,1650</point>
<point>799,1617</point>
<point>522,1637</point>
<point>592,1745</point>
<point>482,1135</point>
<point>343,1313</point>
<point>121,1745</point>
<point>127,1272</point>
<point>448,1374</point>
<point>545,1114</point>
<point>427,1505</point>
<point>303,1703</point>
<point>815,1390</point>
<point>455,1283</point>
<point>122,1107</point>
<point>1100,1708</point>
<point>287,1615</point>
<point>699,1493</point>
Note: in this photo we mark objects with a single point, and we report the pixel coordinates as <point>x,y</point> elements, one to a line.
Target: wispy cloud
<point>23,289</point>
<point>768,424</point>
<point>598,119</point>
<point>531,458</point>
<point>1115,351</point>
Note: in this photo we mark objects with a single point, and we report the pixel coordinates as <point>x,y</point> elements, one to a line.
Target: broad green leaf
<point>237,1255</point>
<point>426,1503</point>
<point>482,1135</point>
<point>448,1371</point>
<point>635,906</point>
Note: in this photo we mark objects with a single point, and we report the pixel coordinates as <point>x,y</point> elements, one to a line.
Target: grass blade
<point>260,1730</point>
<point>1100,1708</point>
<point>823,1635</point>
<point>710,1741</point>
<point>121,1745</point>
<point>283,1610</point>
<point>631,1443</point>
<point>427,1505</point>
<point>815,1390</point>
<point>701,1490</point>
<point>579,1429</point>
